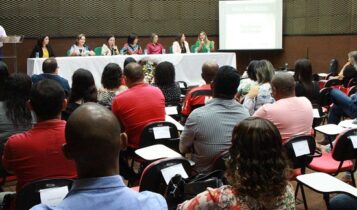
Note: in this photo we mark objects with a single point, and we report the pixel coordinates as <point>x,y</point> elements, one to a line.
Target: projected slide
<point>250,24</point>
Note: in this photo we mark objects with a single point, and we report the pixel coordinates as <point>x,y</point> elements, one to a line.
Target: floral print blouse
<point>225,197</point>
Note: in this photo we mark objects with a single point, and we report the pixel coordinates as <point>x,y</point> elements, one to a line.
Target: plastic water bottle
<point>145,51</point>
<point>37,54</point>
<point>163,51</point>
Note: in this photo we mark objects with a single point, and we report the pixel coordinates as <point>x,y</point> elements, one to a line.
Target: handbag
<point>180,189</point>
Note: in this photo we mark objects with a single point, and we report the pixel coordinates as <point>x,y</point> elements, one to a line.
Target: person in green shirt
<point>203,44</point>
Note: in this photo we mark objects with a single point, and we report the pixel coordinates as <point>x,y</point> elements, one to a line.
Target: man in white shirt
<point>2,34</point>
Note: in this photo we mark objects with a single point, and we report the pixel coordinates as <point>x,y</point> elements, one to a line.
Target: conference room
<point>163,104</point>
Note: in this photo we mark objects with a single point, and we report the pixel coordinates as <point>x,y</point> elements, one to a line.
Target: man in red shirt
<point>37,154</point>
<point>154,47</point>
<point>198,96</point>
<point>138,106</point>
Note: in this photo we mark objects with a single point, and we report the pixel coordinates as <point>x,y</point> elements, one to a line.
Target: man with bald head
<point>93,141</point>
<point>199,96</point>
<point>291,115</point>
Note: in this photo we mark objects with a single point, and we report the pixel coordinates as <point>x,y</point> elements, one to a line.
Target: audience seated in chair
<point>260,94</point>
<point>164,78</point>
<point>199,96</point>
<point>348,71</point>
<point>36,154</point>
<point>139,105</point>
<point>304,85</point>
<point>291,115</point>
<point>111,81</point>
<point>208,129</point>
<point>95,153</point>
<point>257,172</point>
<point>342,106</point>
<point>83,90</point>
<point>15,116</point>
<point>248,81</point>
<point>50,71</point>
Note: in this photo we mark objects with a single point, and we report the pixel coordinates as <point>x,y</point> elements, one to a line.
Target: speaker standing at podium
<point>2,34</point>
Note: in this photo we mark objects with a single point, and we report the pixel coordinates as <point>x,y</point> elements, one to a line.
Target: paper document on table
<point>330,129</point>
<point>156,151</point>
<point>171,110</point>
<point>171,171</point>
<point>162,132</point>
<point>301,148</point>
<point>53,196</point>
<point>316,113</point>
<point>354,141</point>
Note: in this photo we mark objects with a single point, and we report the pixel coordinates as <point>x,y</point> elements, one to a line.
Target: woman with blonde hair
<point>80,48</point>
<point>203,44</point>
<point>349,70</point>
<point>257,172</point>
<point>260,94</point>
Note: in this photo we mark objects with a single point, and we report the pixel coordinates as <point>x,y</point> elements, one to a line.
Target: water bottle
<point>37,54</point>
<point>286,66</point>
<point>208,50</point>
<point>145,51</point>
<point>163,51</point>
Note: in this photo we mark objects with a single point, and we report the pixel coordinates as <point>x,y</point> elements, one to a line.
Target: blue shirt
<point>62,81</point>
<point>106,193</point>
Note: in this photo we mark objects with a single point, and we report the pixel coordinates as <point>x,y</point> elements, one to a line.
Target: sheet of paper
<point>172,120</point>
<point>354,141</point>
<point>330,129</point>
<point>316,113</point>
<point>53,196</point>
<point>171,110</point>
<point>157,151</point>
<point>348,124</point>
<point>301,148</point>
<point>162,132</point>
<point>171,171</point>
<point>323,74</point>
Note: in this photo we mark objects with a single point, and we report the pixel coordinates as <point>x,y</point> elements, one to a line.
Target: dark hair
<point>179,36</point>
<point>303,74</point>
<point>49,65</point>
<point>4,75</point>
<point>164,74</point>
<point>129,60</point>
<point>111,76</point>
<point>257,167</point>
<point>251,71</point>
<point>132,37</point>
<point>110,37</point>
<point>40,40</point>
<point>17,93</point>
<point>226,82</point>
<point>134,72</point>
<point>83,87</point>
<point>47,98</point>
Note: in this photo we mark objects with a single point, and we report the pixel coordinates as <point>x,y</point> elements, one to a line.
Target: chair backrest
<point>29,196</point>
<point>148,135</point>
<point>300,150</point>
<point>345,146</point>
<point>325,97</point>
<point>333,68</point>
<point>333,83</point>
<point>170,50</point>
<point>219,162</point>
<point>352,82</point>
<point>352,90</point>
<point>98,51</point>
<point>183,87</point>
<point>152,178</point>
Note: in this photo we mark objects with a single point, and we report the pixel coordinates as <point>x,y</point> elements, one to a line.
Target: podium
<point>12,40</point>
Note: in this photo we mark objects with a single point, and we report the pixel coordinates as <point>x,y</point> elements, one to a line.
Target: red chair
<point>333,83</point>
<point>300,160</point>
<point>352,90</point>
<point>352,82</point>
<point>341,158</point>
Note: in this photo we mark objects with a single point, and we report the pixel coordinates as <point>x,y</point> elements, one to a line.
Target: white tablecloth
<point>187,66</point>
